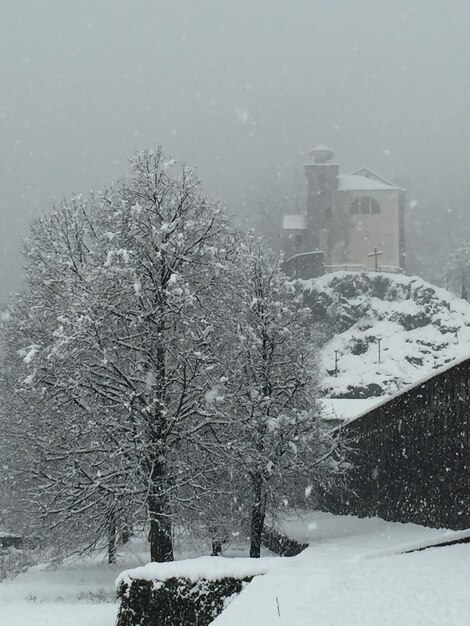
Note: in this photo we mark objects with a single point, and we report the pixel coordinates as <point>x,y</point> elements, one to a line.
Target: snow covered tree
<point>156,362</point>
<point>458,269</point>
<point>167,245</point>
<point>120,349</point>
<point>278,443</point>
<point>57,434</point>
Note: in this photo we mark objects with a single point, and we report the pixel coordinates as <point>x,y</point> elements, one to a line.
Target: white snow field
<point>352,573</point>
<point>80,592</point>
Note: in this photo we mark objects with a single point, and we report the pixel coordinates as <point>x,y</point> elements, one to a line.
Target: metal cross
<point>376,255</point>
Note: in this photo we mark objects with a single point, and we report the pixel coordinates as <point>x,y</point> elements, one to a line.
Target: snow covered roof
<point>347,408</point>
<point>365,171</point>
<point>358,182</point>
<point>294,222</point>
<point>401,392</point>
<point>321,148</point>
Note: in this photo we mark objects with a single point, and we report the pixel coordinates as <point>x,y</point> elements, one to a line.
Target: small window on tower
<point>298,241</point>
<point>328,213</point>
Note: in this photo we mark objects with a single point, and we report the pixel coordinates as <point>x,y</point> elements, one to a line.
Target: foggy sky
<point>232,86</point>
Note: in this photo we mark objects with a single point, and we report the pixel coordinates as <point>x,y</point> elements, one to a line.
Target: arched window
<point>365,205</point>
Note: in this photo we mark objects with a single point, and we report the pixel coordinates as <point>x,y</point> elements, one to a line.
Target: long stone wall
<point>411,455</point>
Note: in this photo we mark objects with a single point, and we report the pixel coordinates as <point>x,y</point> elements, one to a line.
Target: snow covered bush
<point>280,543</point>
<point>14,561</point>
<point>183,593</point>
<point>175,602</point>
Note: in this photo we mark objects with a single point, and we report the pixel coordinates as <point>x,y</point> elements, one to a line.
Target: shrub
<point>281,544</point>
<point>14,561</point>
<point>175,601</point>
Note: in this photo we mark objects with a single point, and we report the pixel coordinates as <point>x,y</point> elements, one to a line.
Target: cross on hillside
<point>376,255</point>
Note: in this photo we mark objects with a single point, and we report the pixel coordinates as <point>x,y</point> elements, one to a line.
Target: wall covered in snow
<point>411,455</point>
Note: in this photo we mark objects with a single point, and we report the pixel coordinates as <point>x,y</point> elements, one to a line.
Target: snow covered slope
<point>420,328</point>
<point>354,574</point>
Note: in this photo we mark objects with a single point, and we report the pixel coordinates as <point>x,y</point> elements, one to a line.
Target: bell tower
<point>322,183</point>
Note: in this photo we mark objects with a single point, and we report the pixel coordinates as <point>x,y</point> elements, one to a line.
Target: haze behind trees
<point>242,89</point>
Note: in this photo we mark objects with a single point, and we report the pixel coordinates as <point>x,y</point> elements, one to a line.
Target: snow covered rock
<point>384,331</point>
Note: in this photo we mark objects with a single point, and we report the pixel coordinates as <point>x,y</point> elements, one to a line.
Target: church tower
<point>322,183</point>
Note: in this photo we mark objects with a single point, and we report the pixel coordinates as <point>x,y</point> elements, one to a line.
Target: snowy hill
<point>419,328</point>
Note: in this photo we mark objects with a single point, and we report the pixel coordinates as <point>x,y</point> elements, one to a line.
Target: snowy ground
<point>351,574</point>
<point>80,592</point>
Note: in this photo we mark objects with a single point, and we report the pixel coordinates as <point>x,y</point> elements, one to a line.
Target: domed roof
<point>322,154</point>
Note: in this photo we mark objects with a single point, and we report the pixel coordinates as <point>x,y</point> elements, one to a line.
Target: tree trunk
<point>112,537</point>
<point>464,292</point>
<point>125,533</point>
<point>161,537</point>
<point>161,540</point>
<point>159,506</point>
<point>258,514</point>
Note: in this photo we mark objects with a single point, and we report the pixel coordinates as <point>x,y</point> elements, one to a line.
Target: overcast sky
<point>232,86</point>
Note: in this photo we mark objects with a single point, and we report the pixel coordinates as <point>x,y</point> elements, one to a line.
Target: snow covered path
<point>351,575</point>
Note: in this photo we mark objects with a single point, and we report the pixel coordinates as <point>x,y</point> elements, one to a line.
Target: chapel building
<point>356,220</point>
